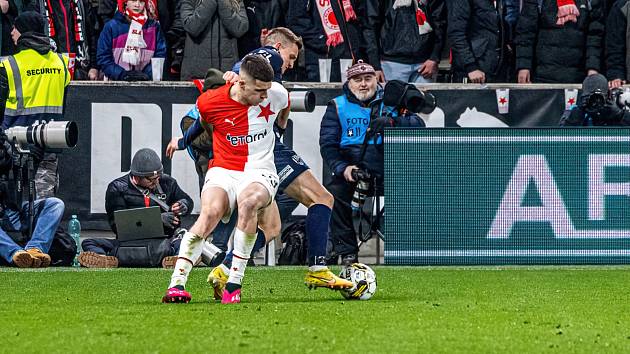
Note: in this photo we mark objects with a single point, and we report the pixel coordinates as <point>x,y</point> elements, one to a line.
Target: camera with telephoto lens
<point>51,135</point>
<point>594,101</point>
<point>361,190</point>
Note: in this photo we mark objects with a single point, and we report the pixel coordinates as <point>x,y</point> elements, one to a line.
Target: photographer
<point>33,82</point>
<point>144,186</point>
<point>595,106</point>
<point>341,138</point>
<point>15,216</point>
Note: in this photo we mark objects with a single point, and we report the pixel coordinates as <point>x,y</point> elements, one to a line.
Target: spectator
<point>262,16</point>
<point>617,35</point>
<point>341,149</point>
<point>141,187</point>
<point>212,28</point>
<point>15,217</point>
<point>559,41</point>
<point>70,27</point>
<point>333,30</point>
<point>10,10</point>
<point>129,41</point>
<point>167,12</point>
<point>476,31</point>
<point>412,34</point>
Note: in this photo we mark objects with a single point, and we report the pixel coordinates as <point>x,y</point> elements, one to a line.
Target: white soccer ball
<point>364,280</point>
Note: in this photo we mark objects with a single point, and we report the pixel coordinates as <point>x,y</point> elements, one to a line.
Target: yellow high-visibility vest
<point>36,83</point>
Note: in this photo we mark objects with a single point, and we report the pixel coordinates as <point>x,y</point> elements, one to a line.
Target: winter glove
<point>183,208</point>
<point>135,76</point>
<point>169,219</point>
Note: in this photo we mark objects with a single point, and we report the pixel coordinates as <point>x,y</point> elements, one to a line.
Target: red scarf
<point>329,20</point>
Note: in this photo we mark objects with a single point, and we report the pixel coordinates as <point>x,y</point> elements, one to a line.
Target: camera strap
<point>159,198</point>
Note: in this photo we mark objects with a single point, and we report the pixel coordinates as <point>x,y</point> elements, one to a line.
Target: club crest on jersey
<point>245,139</point>
<point>265,111</point>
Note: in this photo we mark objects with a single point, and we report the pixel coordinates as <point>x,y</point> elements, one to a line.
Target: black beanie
<point>592,83</point>
<point>146,163</point>
<point>30,21</point>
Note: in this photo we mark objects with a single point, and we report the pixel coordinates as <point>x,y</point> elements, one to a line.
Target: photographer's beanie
<point>146,163</point>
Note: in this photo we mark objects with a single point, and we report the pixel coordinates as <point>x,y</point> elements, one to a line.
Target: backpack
<point>294,244</point>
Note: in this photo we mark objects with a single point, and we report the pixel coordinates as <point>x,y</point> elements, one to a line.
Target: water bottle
<point>74,228</point>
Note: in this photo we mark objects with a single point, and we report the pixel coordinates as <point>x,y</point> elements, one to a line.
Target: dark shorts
<point>289,165</point>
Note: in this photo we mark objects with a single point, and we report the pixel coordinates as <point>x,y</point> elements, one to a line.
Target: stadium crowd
<point>477,41</point>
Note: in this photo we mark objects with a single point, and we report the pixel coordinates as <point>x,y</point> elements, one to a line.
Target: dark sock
<point>317,222</point>
<point>260,243</point>
<point>180,287</point>
<point>227,261</point>
<point>231,287</point>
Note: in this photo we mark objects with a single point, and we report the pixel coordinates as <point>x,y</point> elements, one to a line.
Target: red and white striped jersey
<point>242,136</point>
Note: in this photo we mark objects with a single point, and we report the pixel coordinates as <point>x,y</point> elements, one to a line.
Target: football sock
<point>243,244</point>
<point>260,243</point>
<point>189,252</point>
<point>317,222</point>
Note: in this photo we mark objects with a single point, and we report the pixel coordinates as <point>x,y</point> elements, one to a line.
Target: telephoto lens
<point>51,135</point>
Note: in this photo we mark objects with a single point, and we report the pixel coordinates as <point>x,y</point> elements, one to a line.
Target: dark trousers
<point>104,246</point>
<point>342,234</point>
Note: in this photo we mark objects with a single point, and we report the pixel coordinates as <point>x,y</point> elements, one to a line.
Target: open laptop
<point>139,223</point>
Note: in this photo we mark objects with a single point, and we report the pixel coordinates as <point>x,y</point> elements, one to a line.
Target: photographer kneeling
<point>596,107</point>
<point>15,214</point>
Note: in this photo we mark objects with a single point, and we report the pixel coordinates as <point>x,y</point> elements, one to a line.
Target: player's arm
<point>177,143</point>
<point>283,118</point>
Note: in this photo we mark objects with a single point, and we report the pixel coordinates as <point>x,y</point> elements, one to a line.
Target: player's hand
<point>171,148</point>
<point>231,77</point>
<point>347,173</point>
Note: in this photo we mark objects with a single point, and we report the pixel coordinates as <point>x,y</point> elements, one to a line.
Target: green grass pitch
<point>415,310</point>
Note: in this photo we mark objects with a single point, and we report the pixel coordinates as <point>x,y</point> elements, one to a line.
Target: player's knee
<point>248,205</point>
<point>325,197</point>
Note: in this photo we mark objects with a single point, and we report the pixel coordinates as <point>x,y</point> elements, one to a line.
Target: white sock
<point>317,268</point>
<point>189,252</point>
<point>243,245</point>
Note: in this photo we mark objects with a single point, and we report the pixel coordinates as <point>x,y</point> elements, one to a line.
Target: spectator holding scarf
<point>129,41</point>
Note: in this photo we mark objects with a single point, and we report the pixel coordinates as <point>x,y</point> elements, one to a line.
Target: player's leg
<point>306,189</point>
<point>255,196</point>
<point>269,223</point>
<point>214,205</point>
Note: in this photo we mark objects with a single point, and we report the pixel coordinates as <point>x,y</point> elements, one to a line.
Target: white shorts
<point>234,182</point>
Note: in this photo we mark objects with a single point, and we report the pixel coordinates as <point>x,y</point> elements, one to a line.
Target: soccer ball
<point>363,278</point>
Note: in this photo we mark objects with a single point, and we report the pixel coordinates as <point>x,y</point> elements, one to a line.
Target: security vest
<point>354,120</point>
<point>36,85</point>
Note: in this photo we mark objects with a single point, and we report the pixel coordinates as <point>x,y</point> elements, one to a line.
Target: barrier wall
<point>498,196</point>
<point>116,119</point>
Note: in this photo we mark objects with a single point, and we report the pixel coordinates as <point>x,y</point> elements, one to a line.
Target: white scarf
<point>135,40</point>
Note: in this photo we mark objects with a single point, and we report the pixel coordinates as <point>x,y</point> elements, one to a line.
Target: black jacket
<point>303,19</point>
<point>609,115</point>
<point>338,158</point>
<point>122,194</point>
<point>477,31</point>
<point>617,60</point>
<point>559,54</point>
<point>261,14</point>
<point>400,40</point>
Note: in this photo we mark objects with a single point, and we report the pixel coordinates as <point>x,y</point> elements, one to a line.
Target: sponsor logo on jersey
<point>245,139</point>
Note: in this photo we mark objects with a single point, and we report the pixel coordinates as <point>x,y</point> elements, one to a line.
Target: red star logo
<point>571,101</point>
<point>265,111</point>
<point>502,100</point>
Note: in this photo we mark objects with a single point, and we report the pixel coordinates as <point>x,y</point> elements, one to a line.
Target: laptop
<point>139,223</point>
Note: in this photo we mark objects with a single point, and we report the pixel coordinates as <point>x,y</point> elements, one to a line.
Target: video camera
<point>51,135</point>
